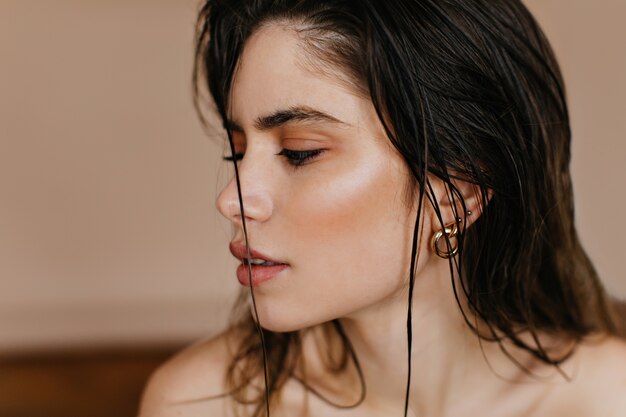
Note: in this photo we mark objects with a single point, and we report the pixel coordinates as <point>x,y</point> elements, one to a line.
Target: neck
<point>450,373</point>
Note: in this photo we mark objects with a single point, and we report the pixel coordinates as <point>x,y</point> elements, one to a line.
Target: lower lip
<point>260,274</point>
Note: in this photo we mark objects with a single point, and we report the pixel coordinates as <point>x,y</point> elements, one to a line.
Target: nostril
<point>229,209</point>
<point>235,211</point>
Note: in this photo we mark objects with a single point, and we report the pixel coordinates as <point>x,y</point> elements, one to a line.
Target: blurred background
<point>112,254</point>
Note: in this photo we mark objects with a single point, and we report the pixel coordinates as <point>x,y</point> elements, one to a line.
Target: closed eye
<point>294,158</point>
<point>236,157</point>
<point>298,158</point>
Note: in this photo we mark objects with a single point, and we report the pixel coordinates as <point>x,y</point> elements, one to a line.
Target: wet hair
<point>466,90</point>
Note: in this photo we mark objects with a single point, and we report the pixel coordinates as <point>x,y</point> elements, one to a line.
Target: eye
<point>237,157</point>
<point>298,158</point>
<point>295,158</point>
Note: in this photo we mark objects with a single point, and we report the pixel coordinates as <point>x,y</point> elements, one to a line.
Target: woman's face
<point>339,220</point>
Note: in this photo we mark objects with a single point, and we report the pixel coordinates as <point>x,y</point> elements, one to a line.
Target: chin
<point>282,321</point>
<point>281,324</point>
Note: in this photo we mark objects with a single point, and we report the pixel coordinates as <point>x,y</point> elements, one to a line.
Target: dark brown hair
<point>466,89</point>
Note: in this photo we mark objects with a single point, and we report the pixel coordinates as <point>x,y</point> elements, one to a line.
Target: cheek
<point>351,236</point>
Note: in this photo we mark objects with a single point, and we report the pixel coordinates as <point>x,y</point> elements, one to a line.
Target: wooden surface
<point>76,384</point>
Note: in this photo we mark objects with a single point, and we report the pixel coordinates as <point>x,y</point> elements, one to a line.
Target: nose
<point>257,202</point>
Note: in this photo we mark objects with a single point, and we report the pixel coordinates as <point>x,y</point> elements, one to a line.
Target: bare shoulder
<point>186,383</point>
<point>603,360</point>
<point>599,384</point>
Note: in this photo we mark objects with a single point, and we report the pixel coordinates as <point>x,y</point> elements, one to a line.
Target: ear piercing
<point>469,213</point>
<point>450,230</point>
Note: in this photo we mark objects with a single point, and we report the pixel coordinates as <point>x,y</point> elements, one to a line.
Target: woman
<point>402,206</point>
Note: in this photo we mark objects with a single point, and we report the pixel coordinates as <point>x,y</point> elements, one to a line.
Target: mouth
<point>256,258</point>
<point>259,269</point>
<point>259,262</point>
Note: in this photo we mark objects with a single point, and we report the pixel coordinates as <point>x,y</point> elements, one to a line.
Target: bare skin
<point>597,389</point>
<point>341,224</point>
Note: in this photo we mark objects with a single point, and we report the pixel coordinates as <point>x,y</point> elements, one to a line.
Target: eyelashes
<point>294,158</point>
<point>298,158</point>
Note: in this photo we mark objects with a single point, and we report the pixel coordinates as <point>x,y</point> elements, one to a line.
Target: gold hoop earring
<point>451,230</point>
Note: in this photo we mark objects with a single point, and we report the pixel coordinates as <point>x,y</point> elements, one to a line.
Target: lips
<point>259,273</point>
<point>255,274</point>
<point>239,251</point>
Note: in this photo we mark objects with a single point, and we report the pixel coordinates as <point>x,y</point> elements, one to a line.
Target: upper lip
<point>239,251</point>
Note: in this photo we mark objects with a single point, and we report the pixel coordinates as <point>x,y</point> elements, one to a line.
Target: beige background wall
<point>108,231</point>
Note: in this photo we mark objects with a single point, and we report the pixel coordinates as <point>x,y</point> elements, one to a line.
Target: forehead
<point>272,73</point>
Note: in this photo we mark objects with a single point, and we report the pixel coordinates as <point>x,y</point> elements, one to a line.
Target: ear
<point>463,199</point>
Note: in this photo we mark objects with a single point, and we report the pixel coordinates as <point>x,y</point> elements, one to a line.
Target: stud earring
<point>469,213</point>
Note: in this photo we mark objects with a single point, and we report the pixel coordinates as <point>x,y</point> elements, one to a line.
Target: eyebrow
<point>294,114</point>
